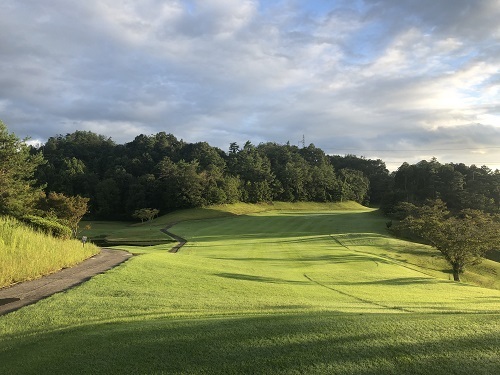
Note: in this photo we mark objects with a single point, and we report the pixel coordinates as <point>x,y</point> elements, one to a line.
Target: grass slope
<point>275,292</point>
<point>26,254</point>
<point>149,233</point>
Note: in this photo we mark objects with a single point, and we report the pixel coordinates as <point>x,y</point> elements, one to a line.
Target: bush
<point>48,226</point>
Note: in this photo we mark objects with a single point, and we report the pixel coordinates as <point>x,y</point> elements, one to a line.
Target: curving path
<point>181,241</point>
<point>28,292</point>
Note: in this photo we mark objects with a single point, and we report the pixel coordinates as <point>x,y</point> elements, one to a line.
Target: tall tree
<point>375,170</point>
<point>354,185</point>
<point>18,193</point>
<point>254,169</point>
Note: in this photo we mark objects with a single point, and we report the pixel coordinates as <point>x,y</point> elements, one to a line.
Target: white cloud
<point>349,75</point>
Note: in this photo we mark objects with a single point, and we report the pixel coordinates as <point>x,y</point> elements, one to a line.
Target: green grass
<point>277,292</point>
<point>117,233</point>
<point>26,254</point>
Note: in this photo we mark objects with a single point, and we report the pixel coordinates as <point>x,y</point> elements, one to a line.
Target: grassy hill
<point>280,291</point>
<point>149,233</point>
<point>26,254</point>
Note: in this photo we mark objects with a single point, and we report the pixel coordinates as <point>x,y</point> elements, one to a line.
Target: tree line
<point>23,196</point>
<point>163,172</point>
<point>160,171</point>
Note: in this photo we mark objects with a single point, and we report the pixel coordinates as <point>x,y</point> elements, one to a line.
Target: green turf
<point>275,292</point>
<point>150,233</point>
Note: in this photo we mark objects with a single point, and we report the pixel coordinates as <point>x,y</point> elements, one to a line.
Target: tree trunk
<point>456,274</point>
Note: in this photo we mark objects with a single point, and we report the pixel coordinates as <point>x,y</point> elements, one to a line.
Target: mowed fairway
<point>278,292</point>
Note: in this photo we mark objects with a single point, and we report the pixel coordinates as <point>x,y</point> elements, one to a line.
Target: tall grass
<point>26,254</point>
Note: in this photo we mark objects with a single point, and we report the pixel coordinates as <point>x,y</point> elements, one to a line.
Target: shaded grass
<point>112,233</point>
<point>313,343</point>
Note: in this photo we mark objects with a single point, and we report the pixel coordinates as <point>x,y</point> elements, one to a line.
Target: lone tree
<point>146,214</point>
<point>463,239</point>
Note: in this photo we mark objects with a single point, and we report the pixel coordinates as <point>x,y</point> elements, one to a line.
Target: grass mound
<point>26,254</point>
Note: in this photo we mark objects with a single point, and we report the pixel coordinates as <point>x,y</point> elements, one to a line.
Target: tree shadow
<point>328,258</point>
<point>396,281</point>
<point>295,224</point>
<point>260,279</point>
<point>305,343</point>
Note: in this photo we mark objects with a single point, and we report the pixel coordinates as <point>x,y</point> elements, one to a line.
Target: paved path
<point>22,294</point>
<point>181,241</point>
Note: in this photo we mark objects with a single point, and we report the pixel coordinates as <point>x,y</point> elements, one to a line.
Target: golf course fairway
<point>292,291</point>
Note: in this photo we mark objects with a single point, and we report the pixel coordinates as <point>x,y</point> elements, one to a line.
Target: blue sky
<point>400,80</point>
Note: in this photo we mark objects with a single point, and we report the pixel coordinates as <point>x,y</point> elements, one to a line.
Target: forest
<point>162,172</point>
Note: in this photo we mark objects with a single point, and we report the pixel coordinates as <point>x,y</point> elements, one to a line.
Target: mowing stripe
<point>390,260</point>
<point>357,298</point>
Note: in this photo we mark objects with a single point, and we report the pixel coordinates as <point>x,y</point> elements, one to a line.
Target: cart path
<point>181,241</point>
<point>28,292</point>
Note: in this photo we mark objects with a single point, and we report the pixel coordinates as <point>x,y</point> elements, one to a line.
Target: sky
<point>399,80</point>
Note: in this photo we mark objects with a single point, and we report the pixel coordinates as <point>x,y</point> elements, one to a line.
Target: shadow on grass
<point>299,224</point>
<point>330,258</point>
<point>397,281</point>
<point>312,343</point>
<point>260,279</point>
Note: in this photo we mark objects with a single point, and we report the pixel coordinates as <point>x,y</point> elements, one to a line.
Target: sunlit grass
<point>26,254</point>
<point>150,232</point>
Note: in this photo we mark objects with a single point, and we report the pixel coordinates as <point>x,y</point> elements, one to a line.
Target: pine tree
<point>18,193</point>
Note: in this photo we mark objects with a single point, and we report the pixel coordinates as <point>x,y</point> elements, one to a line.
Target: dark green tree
<point>375,170</point>
<point>69,211</point>
<point>146,214</point>
<point>18,191</point>
<point>354,185</point>
<point>463,239</point>
<point>254,170</point>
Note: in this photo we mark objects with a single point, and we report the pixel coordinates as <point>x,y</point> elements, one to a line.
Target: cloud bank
<point>400,80</point>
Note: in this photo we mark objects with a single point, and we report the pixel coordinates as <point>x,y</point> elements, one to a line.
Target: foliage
<point>68,210</point>
<point>18,193</point>
<point>146,214</point>
<point>463,240</point>
<point>375,170</point>
<point>161,171</point>
<point>355,185</point>
<point>48,226</point>
<point>458,185</point>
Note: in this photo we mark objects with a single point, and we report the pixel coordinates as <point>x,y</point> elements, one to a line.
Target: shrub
<point>47,226</point>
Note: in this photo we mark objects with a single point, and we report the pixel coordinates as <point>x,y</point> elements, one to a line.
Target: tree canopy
<point>463,239</point>
<point>162,171</point>
<point>18,190</point>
